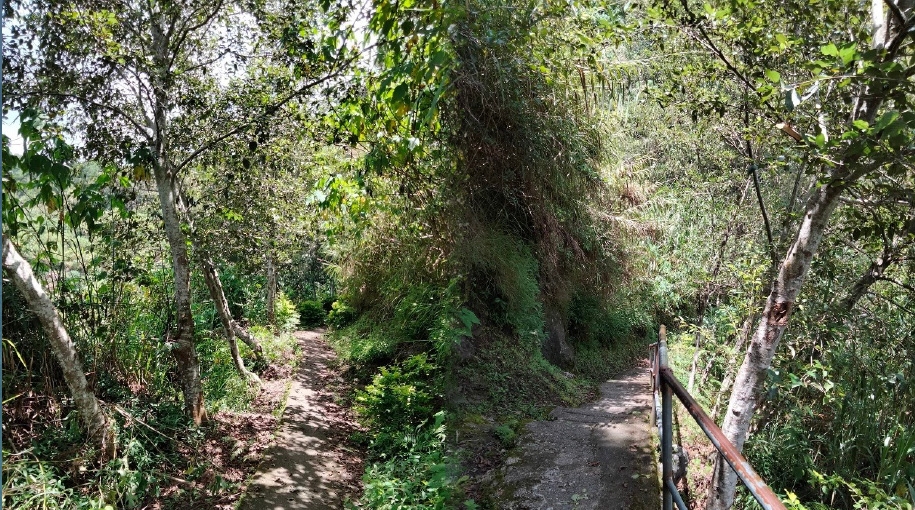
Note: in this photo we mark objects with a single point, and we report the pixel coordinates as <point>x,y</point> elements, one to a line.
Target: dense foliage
<point>491,206</point>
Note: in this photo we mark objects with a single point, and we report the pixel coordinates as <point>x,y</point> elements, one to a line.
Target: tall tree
<point>846,105</point>
<point>143,83</point>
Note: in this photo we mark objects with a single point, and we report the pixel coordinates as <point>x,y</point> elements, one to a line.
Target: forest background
<point>491,205</point>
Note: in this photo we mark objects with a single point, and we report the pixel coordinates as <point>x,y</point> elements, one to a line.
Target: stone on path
<point>307,467</point>
<point>598,456</point>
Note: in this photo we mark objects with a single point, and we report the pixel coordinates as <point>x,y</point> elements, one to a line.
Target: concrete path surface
<point>309,467</point>
<point>598,456</point>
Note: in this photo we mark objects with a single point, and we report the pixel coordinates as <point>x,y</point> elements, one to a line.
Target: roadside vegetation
<point>491,207</point>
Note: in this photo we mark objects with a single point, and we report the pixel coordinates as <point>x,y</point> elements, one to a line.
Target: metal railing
<point>664,382</point>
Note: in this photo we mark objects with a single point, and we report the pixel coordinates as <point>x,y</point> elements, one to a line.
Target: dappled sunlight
<point>597,456</point>
<point>307,468</point>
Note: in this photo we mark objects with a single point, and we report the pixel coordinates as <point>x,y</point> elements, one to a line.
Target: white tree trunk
<point>214,284</point>
<point>771,326</point>
<point>792,273</point>
<point>98,424</point>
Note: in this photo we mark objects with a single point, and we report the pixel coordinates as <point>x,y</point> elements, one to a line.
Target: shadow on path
<point>598,456</point>
<point>309,467</point>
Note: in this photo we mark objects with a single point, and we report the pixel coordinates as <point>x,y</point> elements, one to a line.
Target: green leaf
<point>773,76</point>
<point>829,50</point>
<point>848,53</point>
<point>885,120</point>
<point>399,93</point>
<point>861,124</point>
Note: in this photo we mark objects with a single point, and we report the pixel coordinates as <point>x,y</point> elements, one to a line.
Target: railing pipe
<point>666,423</point>
<point>672,490</point>
<point>754,483</point>
<point>663,381</point>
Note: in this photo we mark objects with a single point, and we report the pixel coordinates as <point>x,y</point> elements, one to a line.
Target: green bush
<point>287,317</point>
<point>421,477</point>
<point>341,315</point>
<point>35,483</point>
<point>399,399</point>
<point>506,434</point>
<point>312,314</point>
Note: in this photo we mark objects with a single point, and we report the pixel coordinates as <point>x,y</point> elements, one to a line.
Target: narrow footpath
<point>310,467</point>
<point>598,456</point>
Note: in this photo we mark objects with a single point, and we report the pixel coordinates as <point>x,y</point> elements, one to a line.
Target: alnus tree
<point>148,86</point>
<point>840,93</point>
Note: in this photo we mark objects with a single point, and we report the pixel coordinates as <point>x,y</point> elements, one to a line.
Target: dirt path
<point>310,466</point>
<point>598,456</point>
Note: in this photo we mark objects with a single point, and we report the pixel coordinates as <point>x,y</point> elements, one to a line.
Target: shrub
<point>506,434</point>
<point>399,399</point>
<point>418,478</point>
<point>312,314</point>
<point>341,315</point>
<point>287,317</point>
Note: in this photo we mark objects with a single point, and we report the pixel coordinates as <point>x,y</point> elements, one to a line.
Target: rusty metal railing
<point>664,382</point>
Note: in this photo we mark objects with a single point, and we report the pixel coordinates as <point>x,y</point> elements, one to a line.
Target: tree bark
<point>97,423</point>
<point>271,291</point>
<point>214,284</point>
<point>732,365</point>
<point>185,350</point>
<point>769,331</point>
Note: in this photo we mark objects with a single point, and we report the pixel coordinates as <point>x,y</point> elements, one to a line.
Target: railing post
<point>666,422</point>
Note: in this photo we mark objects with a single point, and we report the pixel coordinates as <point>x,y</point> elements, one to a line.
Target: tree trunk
<point>771,326</point>
<point>271,291</point>
<point>218,295</point>
<point>211,276</point>
<point>878,267</point>
<point>98,424</point>
<point>707,291</point>
<point>793,271</point>
<point>185,351</point>
<point>732,365</point>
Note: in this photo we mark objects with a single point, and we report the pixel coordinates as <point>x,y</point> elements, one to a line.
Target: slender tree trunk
<point>185,351</point>
<point>211,276</point>
<point>98,424</point>
<point>878,267</point>
<point>271,290</point>
<point>873,273</point>
<point>771,326</point>
<point>793,272</point>
<point>732,365</point>
<point>707,292</point>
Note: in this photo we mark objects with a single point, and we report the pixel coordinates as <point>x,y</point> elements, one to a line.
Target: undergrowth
<point>53,465</point>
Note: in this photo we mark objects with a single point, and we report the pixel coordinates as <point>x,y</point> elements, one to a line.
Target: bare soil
<point>312,464</point>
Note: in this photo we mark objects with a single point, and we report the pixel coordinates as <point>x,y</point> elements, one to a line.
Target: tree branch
<point>186,30</point>
<point>897,282</point>
<point>114,109</point>
<point>272,108</point>
<point>897,12</point>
